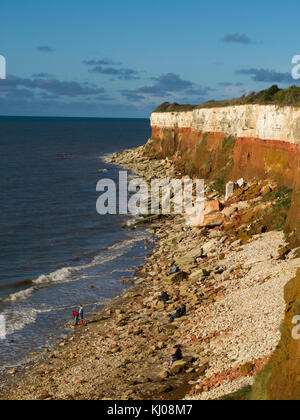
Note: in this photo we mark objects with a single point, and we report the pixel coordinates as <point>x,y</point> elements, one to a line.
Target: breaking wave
<point>67,274</point>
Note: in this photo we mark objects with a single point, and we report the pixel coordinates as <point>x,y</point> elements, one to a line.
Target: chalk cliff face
<point>226,143</point>
<point>265,122</point>
<point>222,144</point>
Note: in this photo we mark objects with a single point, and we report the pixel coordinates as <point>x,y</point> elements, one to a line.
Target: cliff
<point>226,143</point>
<point>264,122</point>
<point>250,141</point>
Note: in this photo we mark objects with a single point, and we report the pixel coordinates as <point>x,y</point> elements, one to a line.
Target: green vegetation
<point>242,394</point>
<point>225,165</point>
<point>282,198</point>
<point>220,180</point>
<point>229,143</point>
<point>272,96</point>
<point>175,107</point>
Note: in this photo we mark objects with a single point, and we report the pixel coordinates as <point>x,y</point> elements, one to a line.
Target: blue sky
<point>117,58</point>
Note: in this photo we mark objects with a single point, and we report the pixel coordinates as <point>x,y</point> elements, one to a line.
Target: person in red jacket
<point>76,317</point>
<point>176,356</point>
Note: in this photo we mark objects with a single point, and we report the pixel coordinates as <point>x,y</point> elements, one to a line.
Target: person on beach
<point>164,297</point>
<point>183,310</point>
<point>76,317</point>
<point>176,315</point>
<point>173,270</point>
<point>176,356</point>
<point>180,312</point>
<point>81,311</point>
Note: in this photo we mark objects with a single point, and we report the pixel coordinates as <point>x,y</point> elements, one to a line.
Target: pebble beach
<point>233,292</point>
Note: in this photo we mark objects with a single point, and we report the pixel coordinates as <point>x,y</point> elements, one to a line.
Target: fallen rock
<point>178,366</point>
<point>162,376</point>
<point>230,188</point>
<point>213,220</point>
<point>283,252</point>
<point>229,211</point>
<point>241,183</point>
<point>265,190</point>
<point>211,207</point>
<point>199,275</point>
<point>208,246</point>
<point>190,257</point>
<point>178,277</point>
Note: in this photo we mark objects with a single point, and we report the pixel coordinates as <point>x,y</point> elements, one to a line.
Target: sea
<point>56,251</point>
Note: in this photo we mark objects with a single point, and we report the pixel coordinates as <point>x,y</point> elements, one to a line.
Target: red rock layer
<point>252,157</point>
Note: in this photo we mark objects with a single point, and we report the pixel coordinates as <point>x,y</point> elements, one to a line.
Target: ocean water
<point>53,244</point>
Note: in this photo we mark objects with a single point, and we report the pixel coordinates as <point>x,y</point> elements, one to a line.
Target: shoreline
<point>234,297</point>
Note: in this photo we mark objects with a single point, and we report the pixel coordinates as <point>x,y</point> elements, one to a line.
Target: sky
<point>117,58</point>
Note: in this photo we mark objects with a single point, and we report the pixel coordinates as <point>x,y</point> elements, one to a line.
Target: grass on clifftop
<point>272,96</point>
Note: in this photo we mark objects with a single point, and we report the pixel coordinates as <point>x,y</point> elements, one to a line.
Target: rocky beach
<point>232,271</point>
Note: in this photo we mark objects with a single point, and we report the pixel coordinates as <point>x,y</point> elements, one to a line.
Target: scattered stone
<point>234,298</point>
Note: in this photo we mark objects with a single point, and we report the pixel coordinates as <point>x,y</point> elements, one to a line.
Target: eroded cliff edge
<point>231,142</point>
<point>250,141</point>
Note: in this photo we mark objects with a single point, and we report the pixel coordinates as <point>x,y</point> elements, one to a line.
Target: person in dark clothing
<point>180,312</point>
<point>176,356</point>
<point>183,310</point>
<point>164,297</point>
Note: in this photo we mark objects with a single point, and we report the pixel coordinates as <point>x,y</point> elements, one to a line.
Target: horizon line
<point>85,118</point>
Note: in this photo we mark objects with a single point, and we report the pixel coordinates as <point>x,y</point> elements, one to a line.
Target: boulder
<point>162,376</point>
<point>211,206</point>
<point>230,188</point>
<point>213,220</point>
<point>190,257</point>
<point>209,246</point>
<point>161,345</point>
<point>241,183</point>
<point>178,366</point>
<point>229,211</point>
<point>265,190</point>
<point>283,252</point>
<point>178,277</point>
<point>199,275</point>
